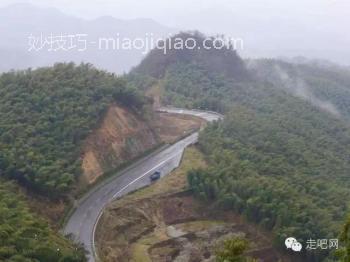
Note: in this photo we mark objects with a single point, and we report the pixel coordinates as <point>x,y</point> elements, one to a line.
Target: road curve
<point>82,223</point>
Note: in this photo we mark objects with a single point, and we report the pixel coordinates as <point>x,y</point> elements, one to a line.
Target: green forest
<point>25,237</point>
<point>281,155</point>
<point>286,177</point>
<point>328,83</point>
<point>45,115</point>
<point>197,78</point>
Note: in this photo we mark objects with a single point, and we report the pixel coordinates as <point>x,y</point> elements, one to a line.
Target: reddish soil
<point>124,136</point>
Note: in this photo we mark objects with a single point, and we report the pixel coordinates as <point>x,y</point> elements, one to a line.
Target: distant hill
<point>217,60</point>
<point>273,36</point>
<point>197,77</point>
<point>22,20</point>
<point>203,78</point>
<point>323,84</point>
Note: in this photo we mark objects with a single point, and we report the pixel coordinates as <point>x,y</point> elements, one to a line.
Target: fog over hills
<point>267,31</point>
<point>281,34</point>
<point>20,21</point>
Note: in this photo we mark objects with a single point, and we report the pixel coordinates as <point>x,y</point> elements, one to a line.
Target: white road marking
<point>121,190</point>
<point>209,116</point>
<point>144,174</point>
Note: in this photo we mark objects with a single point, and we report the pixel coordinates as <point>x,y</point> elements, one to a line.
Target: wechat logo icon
<point>292,243</point>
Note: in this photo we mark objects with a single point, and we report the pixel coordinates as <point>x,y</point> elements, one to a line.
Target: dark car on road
<point>155,176</point>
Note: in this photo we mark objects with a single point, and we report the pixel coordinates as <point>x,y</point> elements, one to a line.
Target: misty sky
<point>170,11</point>
<point>312,28</point>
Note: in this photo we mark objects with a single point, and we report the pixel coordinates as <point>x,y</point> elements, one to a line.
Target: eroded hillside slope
<point>124,135</point>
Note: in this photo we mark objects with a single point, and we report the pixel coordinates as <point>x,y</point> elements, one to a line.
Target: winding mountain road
<point>82,222</point>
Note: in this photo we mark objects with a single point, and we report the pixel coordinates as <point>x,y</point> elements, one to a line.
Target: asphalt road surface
<point>82,223</point>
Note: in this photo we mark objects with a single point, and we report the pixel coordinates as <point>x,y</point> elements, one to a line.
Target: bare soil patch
<point>165,223</point>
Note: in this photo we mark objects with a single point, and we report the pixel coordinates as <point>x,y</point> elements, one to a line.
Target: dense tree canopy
<point>196,48</point>
<point>27,238</point>
<point>328,84</point>
<point>232,250</point>
<point>281,155</point>
<point>281,163</point>
<point>45,114</point>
